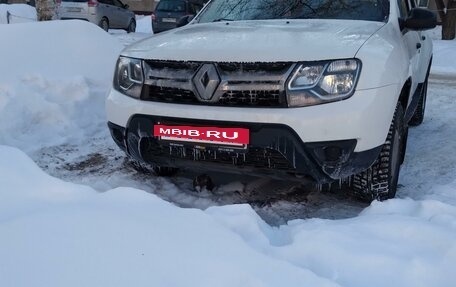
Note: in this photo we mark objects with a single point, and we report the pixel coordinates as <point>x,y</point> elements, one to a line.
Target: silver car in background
<point>108,14</point>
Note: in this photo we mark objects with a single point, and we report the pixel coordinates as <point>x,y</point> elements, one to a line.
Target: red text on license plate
<point>214,135</point>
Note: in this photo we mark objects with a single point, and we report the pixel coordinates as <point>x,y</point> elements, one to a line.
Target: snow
<point>444,61</point>
<point>20,13</point>
<point>144,24</point>
<point>53,92</point>
<point>106,225</point>
<point>87,50</point>
<point>64,234</point>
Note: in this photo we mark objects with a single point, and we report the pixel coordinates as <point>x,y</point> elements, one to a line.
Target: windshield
<point>171,6</point>
<point>234,10</point>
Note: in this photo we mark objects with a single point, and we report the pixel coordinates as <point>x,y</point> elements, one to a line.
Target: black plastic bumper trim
<point>275,150</point>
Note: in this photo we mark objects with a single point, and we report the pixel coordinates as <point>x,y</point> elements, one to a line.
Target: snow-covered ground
<point>107,225</point>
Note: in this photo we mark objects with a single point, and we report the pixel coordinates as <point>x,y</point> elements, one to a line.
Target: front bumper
<point>295,141</point>
<point>366,116</point>
<point>274,150</point>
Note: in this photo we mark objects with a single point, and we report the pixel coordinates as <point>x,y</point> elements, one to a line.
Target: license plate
<point>238,137</point>
<point>169,20</point>
<point>72,9</point>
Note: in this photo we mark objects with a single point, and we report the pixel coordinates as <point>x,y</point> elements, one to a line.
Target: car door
<point>426,47</point>
<point>122,14</point>
<point>412,39</point>
<point>108,12</point>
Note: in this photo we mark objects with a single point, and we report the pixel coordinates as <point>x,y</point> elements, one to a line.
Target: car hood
<point>258,41</point>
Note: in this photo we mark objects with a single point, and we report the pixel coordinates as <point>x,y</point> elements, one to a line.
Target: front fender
<point>384,58</point>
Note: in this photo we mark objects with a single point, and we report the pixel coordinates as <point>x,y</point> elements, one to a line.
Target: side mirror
<point>185,20</point>
<point>420,19</point>
<point>126,6</point>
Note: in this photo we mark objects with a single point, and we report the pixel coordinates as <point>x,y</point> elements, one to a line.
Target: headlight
<point>321,82</point>
<point>129,77</point>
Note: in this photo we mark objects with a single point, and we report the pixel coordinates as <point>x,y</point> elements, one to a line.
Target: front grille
<point>265,158</point>
<point>169,95</point>
<point>240,84</point>
<point>252,98</point>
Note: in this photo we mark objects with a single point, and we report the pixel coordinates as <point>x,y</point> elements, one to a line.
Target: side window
<point>403,8</point>
<point>118,3</point>
<point>412,4</point>
<point>423,3</point>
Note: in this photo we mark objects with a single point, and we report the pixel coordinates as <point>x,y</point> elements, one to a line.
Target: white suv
<point>322,90</point>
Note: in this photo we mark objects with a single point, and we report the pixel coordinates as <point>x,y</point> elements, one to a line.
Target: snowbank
<point>54,81</point>
<point>19,13</point>
<point>62,234</point>
<point>57,49</point>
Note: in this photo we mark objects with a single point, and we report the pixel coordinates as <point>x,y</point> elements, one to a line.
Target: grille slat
<point>241,84</point>
<point>251,98</point>
<point>171,95</point>
<point>255,157</point>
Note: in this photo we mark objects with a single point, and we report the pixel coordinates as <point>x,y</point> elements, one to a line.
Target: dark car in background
<point>168,12</point>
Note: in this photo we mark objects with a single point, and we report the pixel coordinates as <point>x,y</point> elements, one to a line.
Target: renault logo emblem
<point>206,81</point>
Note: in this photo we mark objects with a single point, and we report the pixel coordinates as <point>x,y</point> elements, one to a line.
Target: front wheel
<point>379,182</point>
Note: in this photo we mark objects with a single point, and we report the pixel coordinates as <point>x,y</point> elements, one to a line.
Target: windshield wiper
<point>222,19</point>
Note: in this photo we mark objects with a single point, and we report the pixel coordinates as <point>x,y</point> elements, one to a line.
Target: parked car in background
<point>168,12</point>
<point>108,14</point>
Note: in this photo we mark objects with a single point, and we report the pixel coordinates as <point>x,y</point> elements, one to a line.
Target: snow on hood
<point>258,41</point>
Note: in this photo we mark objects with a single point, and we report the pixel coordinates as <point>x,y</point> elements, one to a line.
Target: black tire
<point>104,24</point>
<point>404,143</point>
<point>148,169</point>
<point>132,26</point>
<point>379,182</point>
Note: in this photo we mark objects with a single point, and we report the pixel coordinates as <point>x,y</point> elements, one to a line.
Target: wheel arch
<point>404,96</point>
